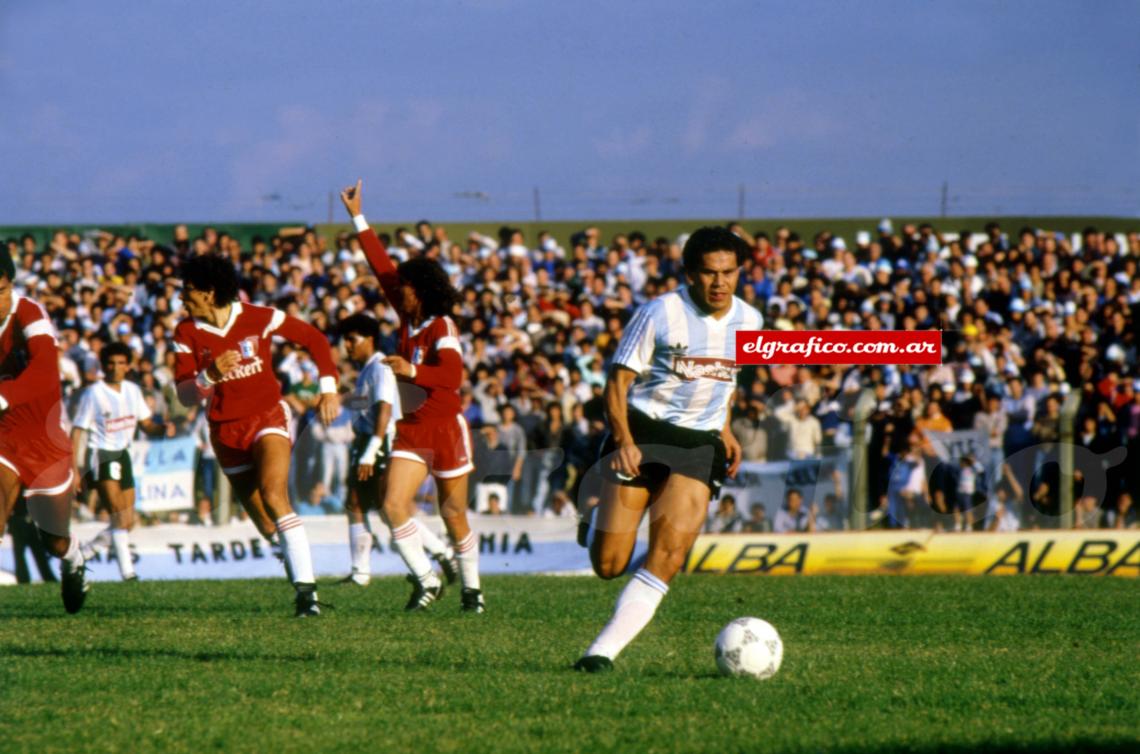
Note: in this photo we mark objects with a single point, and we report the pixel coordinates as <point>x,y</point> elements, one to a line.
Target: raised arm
<point>378,259</point>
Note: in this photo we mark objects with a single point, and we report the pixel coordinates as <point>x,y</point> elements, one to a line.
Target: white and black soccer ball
<point>749,647</point>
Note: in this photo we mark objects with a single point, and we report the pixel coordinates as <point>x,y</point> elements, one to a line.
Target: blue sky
<point>226,111</point>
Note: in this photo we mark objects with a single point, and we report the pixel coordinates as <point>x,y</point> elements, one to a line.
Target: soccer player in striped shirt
<point>102,433</point>
<point>223,351</point>
<point>670,444</point>
<point>432,437</point>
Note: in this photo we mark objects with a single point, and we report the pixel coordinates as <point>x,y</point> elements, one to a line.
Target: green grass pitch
<point>871,663</point>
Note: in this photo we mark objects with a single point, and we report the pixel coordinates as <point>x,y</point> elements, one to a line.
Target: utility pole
<point>945,196</point>
<point>537,206</point>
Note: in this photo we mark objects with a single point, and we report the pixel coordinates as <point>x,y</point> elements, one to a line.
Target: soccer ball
<point>749,647</point>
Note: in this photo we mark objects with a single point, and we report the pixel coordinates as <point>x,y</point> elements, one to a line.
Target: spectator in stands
<point>804,432</point>
<point>792,516</point>
<point>757,522</point>
<point>727,519</point>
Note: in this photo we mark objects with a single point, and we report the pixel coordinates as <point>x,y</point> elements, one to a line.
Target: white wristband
<point>204,381</point>
<point>414,371</point>
<point>359,223</point>
<point>328,384</point>
<point>3,404</point>
<point>371,449</point>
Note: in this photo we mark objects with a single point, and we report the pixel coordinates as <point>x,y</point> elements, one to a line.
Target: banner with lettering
<point>164,474</point>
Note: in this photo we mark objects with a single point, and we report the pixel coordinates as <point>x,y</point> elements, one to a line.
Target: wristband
<point>328,384</point>
<point>371,449</point>
<point>3,404</point>
<point>413,377</point>
<point>359,223</point>
<point>204,381</point>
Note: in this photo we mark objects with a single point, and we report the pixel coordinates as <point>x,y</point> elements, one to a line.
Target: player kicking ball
<point>670,446</point>
<point>432,437</point>
<point>223,351</point>
<point>376,406</point>
<point>102,434</point>
<point>35,451</point>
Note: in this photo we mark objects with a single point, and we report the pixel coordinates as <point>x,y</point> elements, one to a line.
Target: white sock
<point>467,553</point>
<point>360,542</point>
<point>433,544</point>
<point>121,541</point>
<point>295,545</point>
<point>101,542</point>
<point>406,539</point>
<point>74,555</point>
<point>634,609</point>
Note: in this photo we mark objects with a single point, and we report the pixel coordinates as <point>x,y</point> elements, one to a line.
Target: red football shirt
<point>251,388</point>
<point>29,375</point>
<point>433,347</point>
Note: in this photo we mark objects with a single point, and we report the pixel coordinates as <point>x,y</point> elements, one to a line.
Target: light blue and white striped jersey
<point>376,382</point>
<point>685,359</point>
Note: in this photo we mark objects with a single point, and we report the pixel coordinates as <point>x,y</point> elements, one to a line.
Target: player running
<point>376,405</point>
<point>432,437</point>
<point>224,350</point>
<point>35,451</point>
<point>670,446</point>
<point>102,434</point>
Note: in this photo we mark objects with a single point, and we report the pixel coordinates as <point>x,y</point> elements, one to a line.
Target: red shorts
<point>42,460</point>
<point>233,441</point>
<point>444,445</point>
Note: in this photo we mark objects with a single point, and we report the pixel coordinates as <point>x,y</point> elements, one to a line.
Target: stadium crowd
<point>1028,318</point>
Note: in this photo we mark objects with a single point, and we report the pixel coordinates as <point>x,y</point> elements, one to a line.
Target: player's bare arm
<point>627,459</point>
<point>383,416</point>
<point>401,367</point>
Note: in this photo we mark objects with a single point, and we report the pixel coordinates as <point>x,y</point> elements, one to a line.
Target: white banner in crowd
<point>767,482</point>
<point>164,474</point>
<point>951,446</point>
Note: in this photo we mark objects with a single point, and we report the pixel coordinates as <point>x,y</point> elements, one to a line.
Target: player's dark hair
<point>360,324</point>
<point>709,239</point>
<point>114,349</point>
<point>212,272</point>
<point>432,286</point>
<point>7,266</point>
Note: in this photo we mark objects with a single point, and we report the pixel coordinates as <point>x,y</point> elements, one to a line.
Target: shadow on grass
<point>88,653</point>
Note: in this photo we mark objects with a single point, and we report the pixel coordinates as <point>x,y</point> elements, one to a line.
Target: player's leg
<point>453,511</point>
<point>51,511</point>
<point>613,527</point>
<point>244,486</point>
<point>359,536</point>
<point>114,499</point>
<point>405,477</point>
<point>271,454</point>
<point>9,494</point>
<point>678,509</point>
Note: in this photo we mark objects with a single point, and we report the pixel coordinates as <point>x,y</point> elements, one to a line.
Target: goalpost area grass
<point>871,663</point>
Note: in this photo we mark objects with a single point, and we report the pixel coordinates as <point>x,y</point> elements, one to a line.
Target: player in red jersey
<point>35,451</point>
<point>432,437</point>
<point>224,351</point>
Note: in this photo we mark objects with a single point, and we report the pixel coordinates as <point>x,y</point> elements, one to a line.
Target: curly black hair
<point>7,266</point>
<point>212,272</point>
<point>360,324</point>
<point>114,349</point>
<point>708,239</point>
<point>432,286</point>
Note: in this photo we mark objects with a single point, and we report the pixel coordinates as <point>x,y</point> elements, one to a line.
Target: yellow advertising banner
<point>1092,552</point>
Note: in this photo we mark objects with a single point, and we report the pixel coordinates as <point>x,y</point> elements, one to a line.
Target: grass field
<point>871,663</point>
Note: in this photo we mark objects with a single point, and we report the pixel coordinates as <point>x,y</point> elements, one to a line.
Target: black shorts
<point>669,449</point>
<point>359,443</point>
<point>110,466</point>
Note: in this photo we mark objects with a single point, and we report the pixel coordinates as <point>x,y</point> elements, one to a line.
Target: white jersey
<point>376,382</point>
<point>685,359</point>
<point>111,416</point>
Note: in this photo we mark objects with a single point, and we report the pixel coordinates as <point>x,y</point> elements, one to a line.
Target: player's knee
<point>609,565</point>
<point>57,546</point>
